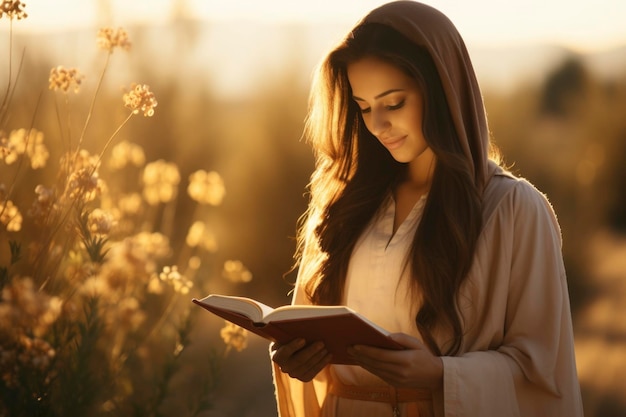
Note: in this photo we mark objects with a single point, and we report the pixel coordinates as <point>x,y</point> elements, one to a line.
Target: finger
<point>316,368</point>
<point>305,363</point>
<point>304,359</point>
<point>282,353</point>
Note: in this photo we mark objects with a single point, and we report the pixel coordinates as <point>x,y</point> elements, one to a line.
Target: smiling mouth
<point>393,142</point>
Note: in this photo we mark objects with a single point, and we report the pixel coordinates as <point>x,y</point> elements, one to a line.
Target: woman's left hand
<point>413,367</point>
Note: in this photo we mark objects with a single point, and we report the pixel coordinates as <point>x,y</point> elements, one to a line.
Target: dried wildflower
<point>235,271</point>
<point>155,285</point>
<point>234,337</point>
<point>24,353</point>
<point>206,187</point>
<point>13,9</point>
<point>100,222</point>
<point>10,216</point>
<point>126,153</point>
<point>129,204</point>
<point>179,282</point>
<point>63,79</point>
<point>160,181</point>
<point>93,287</point>
<point>83,184</point>
<point>35,148</point>
<point>83,181</point>
<point>22,306</point>
<point>109,39</point>
<point>24,141</point>
<point>140,98</point>
<point>127,314</point>
<point>199,236</point>
<point>194,263</point>
<point>150,245</point>
<point>5,149</point>
<point>43,205</point>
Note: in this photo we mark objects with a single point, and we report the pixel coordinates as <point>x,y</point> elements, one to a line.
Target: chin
<point>402,158</point>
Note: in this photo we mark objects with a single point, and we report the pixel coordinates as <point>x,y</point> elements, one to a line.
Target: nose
<point>378,122</point>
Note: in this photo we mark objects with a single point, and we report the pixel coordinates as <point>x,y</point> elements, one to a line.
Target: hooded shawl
<point>431,29</point>
<point>517,357</point>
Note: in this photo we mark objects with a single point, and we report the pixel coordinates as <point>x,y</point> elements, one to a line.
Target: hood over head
<point>431,29</point>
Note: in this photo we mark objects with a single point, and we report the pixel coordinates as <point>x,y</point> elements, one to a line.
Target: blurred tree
<point>617,209</point>
<point>564,88</point>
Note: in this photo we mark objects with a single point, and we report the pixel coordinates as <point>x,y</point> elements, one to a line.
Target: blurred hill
<point>232,58</point>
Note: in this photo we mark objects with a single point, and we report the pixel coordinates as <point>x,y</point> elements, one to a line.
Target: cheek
<point>416,122</point>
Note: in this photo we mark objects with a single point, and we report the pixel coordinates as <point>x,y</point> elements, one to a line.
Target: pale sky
<point>579,24</point>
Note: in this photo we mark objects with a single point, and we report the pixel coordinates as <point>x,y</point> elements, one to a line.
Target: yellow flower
<point>155,286</point>
<point>126,153</point>
<point>160,181</point>
<point>94,286</point>
<point>140,98</point>
<point>194,263</point>
<point>199,236</point>
<point>234,336</point>
<point>235,271</point>
<point>206,187</point>
<point>10,216</point>
<point>24,141</point>
<point>129,203</point>
<point>109,39</point>
<point>149,245</point>
<point>12,9</point>
<point>64,78</point>
<point>179,282</point>
<point>7,153</point>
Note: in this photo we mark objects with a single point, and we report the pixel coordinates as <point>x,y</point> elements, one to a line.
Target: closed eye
<point>389,107</point>
<point>396,106</point>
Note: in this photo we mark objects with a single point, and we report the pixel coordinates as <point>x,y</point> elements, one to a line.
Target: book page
<point>250,308</point>
<point>291,312</point>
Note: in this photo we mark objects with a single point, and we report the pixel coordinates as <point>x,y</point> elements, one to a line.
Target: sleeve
<point>295,398</point>
<point>523,363</point>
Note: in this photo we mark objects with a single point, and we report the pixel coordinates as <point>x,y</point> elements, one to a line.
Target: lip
<point>393,142</point>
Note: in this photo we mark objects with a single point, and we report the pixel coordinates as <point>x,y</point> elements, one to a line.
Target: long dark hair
<point>354,174</point>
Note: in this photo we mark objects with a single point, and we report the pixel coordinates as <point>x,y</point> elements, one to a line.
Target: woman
<point>413,223</point>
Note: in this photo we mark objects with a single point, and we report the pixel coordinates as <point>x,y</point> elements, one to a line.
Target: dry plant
<point>95,312</point>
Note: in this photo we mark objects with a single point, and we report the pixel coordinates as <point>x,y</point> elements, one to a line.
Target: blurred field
<point>564,130</point>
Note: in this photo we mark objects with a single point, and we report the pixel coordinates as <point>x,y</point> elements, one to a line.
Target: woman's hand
<point>299,360</point>
<point>414,367</point>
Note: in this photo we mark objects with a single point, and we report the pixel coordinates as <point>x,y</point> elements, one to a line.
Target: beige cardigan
<point>518,353</point>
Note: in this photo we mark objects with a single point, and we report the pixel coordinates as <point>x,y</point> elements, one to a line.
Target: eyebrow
<point>393,90</point>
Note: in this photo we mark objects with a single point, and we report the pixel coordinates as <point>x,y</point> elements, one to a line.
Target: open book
<point>337,326</point>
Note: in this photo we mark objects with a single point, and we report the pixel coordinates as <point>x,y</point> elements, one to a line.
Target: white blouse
<point>377,283</point>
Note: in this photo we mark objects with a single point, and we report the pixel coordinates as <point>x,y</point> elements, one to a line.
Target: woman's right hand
<point>299,360</point>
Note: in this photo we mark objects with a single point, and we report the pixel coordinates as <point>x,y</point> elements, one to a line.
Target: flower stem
<point>93,102</point>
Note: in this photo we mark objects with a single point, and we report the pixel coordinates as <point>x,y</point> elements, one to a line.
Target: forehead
<point>371,76</point>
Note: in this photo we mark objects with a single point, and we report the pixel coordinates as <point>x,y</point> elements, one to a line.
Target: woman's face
<point>392,107</point>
